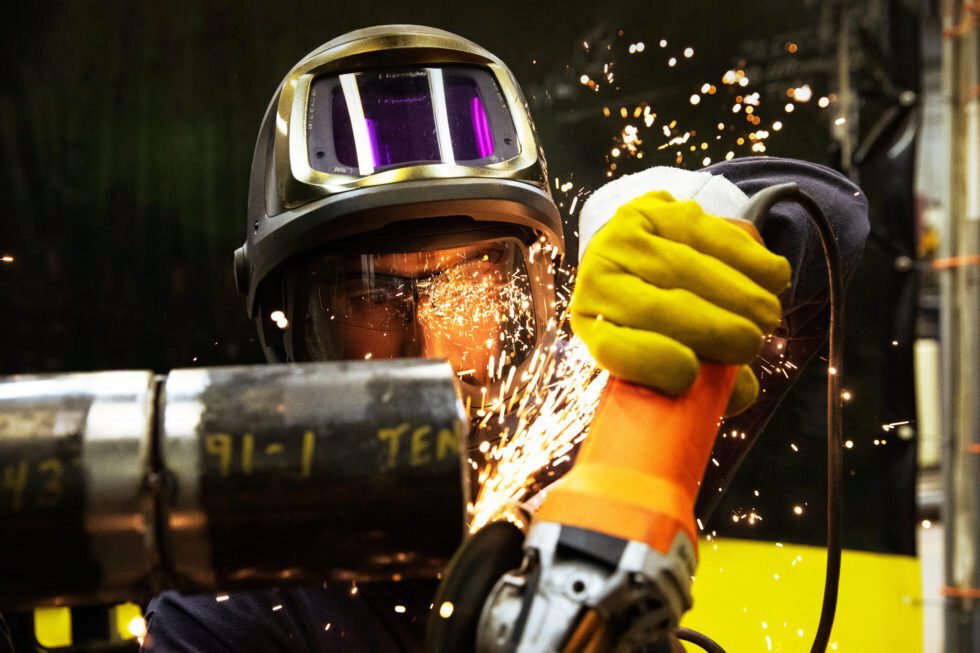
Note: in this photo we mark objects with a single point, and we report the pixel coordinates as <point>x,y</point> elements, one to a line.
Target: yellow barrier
<point>762,596</point>
<point>52,626</point>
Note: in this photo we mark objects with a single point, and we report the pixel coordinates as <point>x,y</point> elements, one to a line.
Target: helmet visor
<point>364,122</point>
<point>471,305</point>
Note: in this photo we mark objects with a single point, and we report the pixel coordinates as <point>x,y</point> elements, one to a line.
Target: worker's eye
<point>377,297</point>
<point>380,290</point>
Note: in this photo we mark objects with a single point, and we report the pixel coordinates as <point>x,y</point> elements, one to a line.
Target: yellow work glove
<point>663,284</point>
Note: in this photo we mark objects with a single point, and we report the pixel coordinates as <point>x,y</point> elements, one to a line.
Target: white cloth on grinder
<point>714,193</point>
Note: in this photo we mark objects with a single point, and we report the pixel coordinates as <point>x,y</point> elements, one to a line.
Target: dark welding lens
<point>360,123</point>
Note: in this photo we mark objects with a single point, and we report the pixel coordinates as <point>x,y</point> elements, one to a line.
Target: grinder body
<point>610,557</point>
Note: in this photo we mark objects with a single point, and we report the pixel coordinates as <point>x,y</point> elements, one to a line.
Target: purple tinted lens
<point>481,127</point>
<point>398,116</point>
<point>380,119</point>
<point>468,124</point>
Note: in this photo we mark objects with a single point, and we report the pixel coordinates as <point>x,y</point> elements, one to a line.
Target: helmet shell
<point>293,209</point>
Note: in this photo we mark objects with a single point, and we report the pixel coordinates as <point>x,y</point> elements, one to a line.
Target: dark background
<point>126,133</point>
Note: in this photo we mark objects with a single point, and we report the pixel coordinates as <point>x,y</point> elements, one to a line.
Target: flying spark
<point>553,417</point>
<point>529,433</point>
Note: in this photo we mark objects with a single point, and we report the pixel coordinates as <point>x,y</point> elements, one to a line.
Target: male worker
<point>399,206</point>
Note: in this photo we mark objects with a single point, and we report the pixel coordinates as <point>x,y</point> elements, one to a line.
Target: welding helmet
<point>399,206</point>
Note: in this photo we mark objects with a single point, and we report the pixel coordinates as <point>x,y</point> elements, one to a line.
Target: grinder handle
<point>638,473</point>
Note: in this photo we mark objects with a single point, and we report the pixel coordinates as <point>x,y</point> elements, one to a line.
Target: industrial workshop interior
<point>512,327</point>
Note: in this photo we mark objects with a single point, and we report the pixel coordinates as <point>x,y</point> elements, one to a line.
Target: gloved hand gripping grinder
<point>608,561</point>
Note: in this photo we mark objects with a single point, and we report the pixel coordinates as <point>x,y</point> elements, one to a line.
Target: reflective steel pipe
<point>115,485</point>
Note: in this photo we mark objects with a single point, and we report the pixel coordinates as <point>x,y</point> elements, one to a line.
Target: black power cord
<point>699,639</point>
<point>835,442</point>
<point>757,212</point>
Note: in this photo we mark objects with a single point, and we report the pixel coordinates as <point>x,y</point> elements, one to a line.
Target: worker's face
<point>469,305</point>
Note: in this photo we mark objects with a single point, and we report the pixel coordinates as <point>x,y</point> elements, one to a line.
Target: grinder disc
<point>468,580</point>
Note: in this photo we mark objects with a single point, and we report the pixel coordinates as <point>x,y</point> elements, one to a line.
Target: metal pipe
<point>73,455</point>
<point>961,311</point>
<point>114,486</point>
